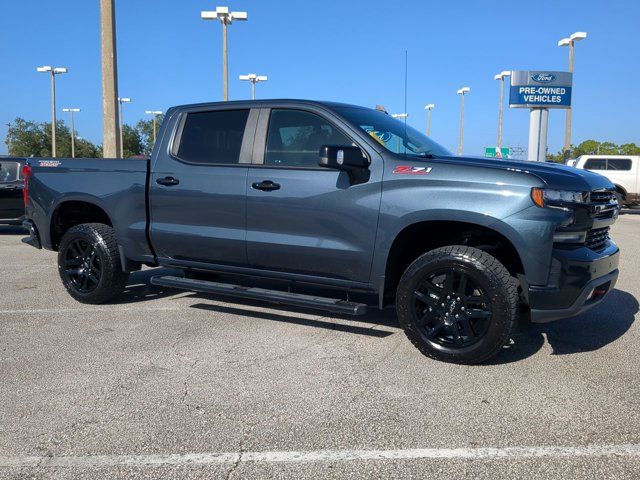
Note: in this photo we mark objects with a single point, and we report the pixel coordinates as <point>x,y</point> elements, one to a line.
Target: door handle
<point>266,186</point>
<point>168,181</point>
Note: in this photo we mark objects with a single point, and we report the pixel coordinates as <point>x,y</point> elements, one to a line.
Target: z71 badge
<point>409,170</point>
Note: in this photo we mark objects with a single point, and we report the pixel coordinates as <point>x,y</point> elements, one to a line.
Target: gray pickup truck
<point>341,197</point>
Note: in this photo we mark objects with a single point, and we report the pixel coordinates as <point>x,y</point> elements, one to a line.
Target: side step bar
<point>272,296</point>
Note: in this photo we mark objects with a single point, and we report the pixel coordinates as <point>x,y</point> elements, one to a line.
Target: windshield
<point>392,134</point>
<point>8,171</point>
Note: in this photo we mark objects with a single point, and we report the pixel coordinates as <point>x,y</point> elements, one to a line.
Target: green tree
<point>132,141</point>
<point>629,149</point>
<point>145,128</point>
<point>26,138</point>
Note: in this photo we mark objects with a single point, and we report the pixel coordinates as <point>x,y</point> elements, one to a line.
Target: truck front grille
<point>597,238</point>
<point>601,196</point>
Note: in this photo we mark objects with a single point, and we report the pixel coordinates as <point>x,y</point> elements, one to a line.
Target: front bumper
<point>579,279</point>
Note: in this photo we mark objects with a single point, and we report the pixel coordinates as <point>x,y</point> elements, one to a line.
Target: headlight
<point>543,197</point>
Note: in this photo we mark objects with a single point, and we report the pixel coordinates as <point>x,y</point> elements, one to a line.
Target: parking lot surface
<point>170,384</point>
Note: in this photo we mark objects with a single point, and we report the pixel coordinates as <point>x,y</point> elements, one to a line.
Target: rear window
<point>9,171</point>
<point>619,164</point>
<point>213,138</point>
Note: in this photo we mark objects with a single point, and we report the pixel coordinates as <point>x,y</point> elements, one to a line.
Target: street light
<point>73,130</point>
<point>462,92</point>
<point>501,76</point>
<point>53,71</point>
<point>569,42</point>
<point>253,78</point>
<point>428,108</point>
<point>226,18</point>
<point>122,100</point>
<point>155,114</point>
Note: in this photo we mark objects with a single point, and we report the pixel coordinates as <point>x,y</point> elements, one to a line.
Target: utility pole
<point>73,130</point>
<point>155,114</point>
<point>121,120</point>
<point>569,42</point>
<point>111,138</point>
<point>226,18</point>
<point>428,108</point>
<point>53,71</point>
<point>501,76</point>
<point>462,92</point>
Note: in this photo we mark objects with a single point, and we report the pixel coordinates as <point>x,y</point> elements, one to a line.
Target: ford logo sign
<point>543,77</point>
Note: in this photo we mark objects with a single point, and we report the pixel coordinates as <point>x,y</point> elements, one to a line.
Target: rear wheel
<point>457,304</point>
<point>89,263</point>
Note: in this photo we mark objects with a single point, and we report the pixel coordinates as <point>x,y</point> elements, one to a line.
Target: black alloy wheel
<point>451,309</point>
<point>82,266</point>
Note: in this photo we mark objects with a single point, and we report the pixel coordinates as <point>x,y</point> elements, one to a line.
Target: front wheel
<point>89,263</point>
<point>457,304</point>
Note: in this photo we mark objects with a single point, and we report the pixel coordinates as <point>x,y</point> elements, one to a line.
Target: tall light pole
<point>155,114</point>
<point>226,18</point>
<point>111,148</point>
<point>53,71</point>
<point>569,42</point>
<point>428,108</point>
<point>121,120</point>
<point>73,130</point>
<point>501,76</point>
<point>462,92</point>
<point>253,78</point>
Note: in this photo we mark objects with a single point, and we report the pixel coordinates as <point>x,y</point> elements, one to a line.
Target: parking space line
<point>481,453</point>
<point>85,310</point>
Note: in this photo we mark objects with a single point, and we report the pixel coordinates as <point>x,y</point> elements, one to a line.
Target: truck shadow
<point>585,333</point>
<point>12,230</point>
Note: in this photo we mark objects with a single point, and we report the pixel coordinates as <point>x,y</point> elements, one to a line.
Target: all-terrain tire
<point>89,263</point>
<point>498,287</point>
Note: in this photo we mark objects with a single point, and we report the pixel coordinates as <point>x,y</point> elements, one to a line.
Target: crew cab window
<point>9,171</point>
<point>212,138</point>
<point>295,137</point>
<point>608,164</point>
<point>596,164</point>
<point>618,164</point>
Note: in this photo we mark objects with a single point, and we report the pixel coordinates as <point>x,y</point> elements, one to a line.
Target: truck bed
<point>117,186</point>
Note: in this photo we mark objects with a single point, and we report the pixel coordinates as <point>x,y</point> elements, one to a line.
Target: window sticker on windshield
<point>409,170</point>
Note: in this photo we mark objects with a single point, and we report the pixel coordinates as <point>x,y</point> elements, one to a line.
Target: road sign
<point>540,89</point>
<point>496,152</point>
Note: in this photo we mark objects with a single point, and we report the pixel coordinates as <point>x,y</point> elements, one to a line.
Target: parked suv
<point>622,170</point>
<point>339,196</point>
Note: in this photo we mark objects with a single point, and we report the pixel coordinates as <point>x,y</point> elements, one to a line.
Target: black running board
<point>334,305</point>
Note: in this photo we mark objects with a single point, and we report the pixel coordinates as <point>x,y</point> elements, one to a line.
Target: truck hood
<point>556,176</point>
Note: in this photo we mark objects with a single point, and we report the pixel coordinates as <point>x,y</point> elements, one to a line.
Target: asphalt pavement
<point>170,384</point>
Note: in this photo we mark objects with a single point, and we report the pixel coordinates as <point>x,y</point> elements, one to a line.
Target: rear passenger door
<point>198,189</point>
<point>302,218</point>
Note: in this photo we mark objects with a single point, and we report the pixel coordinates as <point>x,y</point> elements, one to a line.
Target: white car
<point>622,170</point>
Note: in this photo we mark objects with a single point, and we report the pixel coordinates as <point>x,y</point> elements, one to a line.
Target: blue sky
<point>351,51</point>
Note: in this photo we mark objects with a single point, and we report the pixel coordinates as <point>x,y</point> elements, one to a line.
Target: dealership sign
<point>540,89</point>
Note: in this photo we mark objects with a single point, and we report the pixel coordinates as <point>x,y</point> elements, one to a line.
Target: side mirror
<point>343,158</point>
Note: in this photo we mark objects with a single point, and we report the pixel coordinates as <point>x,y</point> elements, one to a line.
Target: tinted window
<point>619,164</point>
<point>9,171</point>
<point>295,137</point>
<point>213,137</point>
<point>596,164</point>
